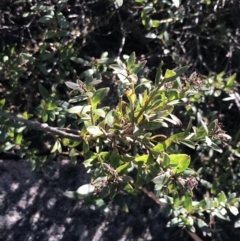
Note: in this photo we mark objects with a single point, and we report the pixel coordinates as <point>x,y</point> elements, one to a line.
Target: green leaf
<point>2,102</point>
<point>45,117</point>
<point>71,85</point>
<point>95,131</point>
<point>160,147</point>
<point>208,141</point>
<point>148,23</point>
<point>202,123</point>
<point>142,158</point>
<point>174,222</point>
<point>129,189</point>
<point>137,68</point>
<point>50,34</point>
<point>45,56</point>
<point>179,162</point>
<point>158,77</point>
<point>62,20</point>
<point>100,112</point>
<point>160,181</point>
<point>98,96</point>
<point>85,189</point>
<point>191,228</point>
<point>43,91</point>
<point>220,214</point>
<point>5,58</point>
<point>215,147</point>
<point>119,3</point>
<point>222,197</point>
<point>119,70</point>
<point>154,125</point>
<point>176,3</point>
<point>202,225</point>
<point>188,143</point>
<point>169,74</point>
<point>80,109</point>
<point>18,139</point>
<point>3,134</point>
<point>189,127</point>
<point>212,126</point>
<point>233,210</point>
<point>230,83</point>
<point>109,119</point>
<point>57,147</point>
<point>61,120</point>
<point>131,60</point>
<point>122,167</point>
<point>80,61</point>
<point>72,155</point>
<point>177,138</point>
<point>46,18</point>
<point>65,141</point>
<point>155,23</point>
<point>182,70</point>
<point>237,224</point>
<point>188,204</point>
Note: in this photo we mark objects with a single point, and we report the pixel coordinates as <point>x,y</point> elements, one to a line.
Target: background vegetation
<point>44,44</point>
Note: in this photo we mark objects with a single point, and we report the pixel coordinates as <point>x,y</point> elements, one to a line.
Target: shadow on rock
<point>32,208</point>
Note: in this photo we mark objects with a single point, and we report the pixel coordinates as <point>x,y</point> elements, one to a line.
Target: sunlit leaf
<point>73,156</point>
<point>119,3</point>
<point>100,112</point>
<point>230,83</point>
<point>188,143</point>
<point>160,181</point>
<point>138,67</point>
<point>169,73</point>
<point>142,158</point>
<point>131,60</point>
<point>109,119</point>
<point>85,189</point>
<point>122,167</point>
<point>94,130</point>
<point>80,109</point>
<point>176,3</point>
<point>99,95</point>
<point>215,147</point>
<point>233,210</point>
<point>188,203</point>
<point>179,162</point>
<point>237,224</point>
<point>160,147</point>
<point>208,141</point>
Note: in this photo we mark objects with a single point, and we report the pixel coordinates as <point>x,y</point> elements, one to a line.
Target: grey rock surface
<point>32,208</point>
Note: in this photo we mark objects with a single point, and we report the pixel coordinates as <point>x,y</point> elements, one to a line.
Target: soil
<point>33,207</point>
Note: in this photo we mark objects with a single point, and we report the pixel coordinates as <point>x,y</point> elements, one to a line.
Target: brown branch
<point>41,126</point>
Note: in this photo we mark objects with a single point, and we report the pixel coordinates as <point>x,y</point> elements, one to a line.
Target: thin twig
<point>123,33</point>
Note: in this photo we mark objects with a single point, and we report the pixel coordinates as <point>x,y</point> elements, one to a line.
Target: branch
<point>122,32</point>
<point>41,126</point>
